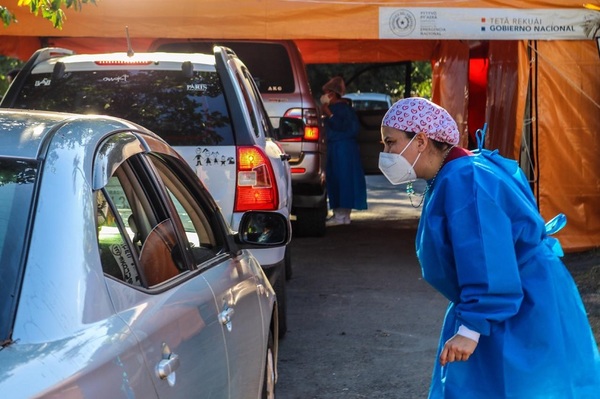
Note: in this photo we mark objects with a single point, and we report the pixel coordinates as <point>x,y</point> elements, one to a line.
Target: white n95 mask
<point>396,168</point>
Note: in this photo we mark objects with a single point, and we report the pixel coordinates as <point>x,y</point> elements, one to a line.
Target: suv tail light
<point>256,184</point>
<point>311,122</point>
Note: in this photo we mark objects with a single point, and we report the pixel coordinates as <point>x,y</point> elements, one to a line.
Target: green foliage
<point>52,10</point>
<point>377,78</point>
<point>6,16</point>
<point>7,64</point>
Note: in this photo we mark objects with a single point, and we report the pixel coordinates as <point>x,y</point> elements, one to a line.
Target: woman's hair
<point>439,145</point>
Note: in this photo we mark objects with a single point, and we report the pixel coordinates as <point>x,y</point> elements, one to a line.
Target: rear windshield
<point>269,63</point>
<point>366,105</point>
<point>184,111</point>
<point>17,178</point>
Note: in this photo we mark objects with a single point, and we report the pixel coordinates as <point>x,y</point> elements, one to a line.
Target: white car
<point>369,101</point>
<point>206,106</point>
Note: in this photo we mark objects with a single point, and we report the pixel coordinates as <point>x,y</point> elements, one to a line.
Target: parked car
<point>369,101</point>
<point>281,77</point>
<point>206,106</point>
<point>120,277</point>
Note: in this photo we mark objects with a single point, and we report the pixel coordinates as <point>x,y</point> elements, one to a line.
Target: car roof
<point>23,133</point>
<point>121,60</point>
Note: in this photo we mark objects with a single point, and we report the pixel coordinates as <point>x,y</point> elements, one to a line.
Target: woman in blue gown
<point>346,185</point>
<point>516,326</point>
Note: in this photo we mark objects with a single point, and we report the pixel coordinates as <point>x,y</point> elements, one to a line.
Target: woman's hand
<point>456,349</point>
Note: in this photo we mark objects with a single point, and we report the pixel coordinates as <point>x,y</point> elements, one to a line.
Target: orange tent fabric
<point>565,119</point>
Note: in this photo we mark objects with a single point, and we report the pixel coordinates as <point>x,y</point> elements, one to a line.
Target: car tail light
<point>311,122</point>
<point>256,184</point>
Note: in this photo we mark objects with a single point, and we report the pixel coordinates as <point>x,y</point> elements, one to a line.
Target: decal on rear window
<point>197,87</point>
<point>118,79</point>
<point>43,82</point>
<point>206,157</point>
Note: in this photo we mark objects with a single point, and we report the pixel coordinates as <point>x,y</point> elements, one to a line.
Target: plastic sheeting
<point>451,81</point>
<point>507,91</point>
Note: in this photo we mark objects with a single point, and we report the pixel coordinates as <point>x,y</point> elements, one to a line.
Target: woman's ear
<point>422,141</point>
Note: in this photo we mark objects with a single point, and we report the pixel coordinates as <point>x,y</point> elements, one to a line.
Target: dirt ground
<point>585,269</point>
<point>362,323</point>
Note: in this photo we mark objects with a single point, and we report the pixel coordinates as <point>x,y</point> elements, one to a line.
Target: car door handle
<point>225,317</point>
<point>168,366</point>
<point>165,369</point>
<point>285,157</point>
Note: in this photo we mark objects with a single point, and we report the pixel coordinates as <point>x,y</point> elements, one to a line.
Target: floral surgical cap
<point>415,114</point>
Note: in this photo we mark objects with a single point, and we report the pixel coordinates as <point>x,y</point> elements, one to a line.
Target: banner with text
<point>488,24</point>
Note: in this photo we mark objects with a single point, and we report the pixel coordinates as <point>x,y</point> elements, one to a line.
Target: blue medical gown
<point>482,244</point>
<point>346,185</point>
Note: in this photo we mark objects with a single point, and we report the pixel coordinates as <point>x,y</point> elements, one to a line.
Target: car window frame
<point>137,161</point>
<point>208,214</point>
<point>13,276</point>
<point>260,112</point>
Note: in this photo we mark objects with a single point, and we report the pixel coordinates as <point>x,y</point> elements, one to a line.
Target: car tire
<point>280,292</point>
<point>310,222</point>
<point>288,263</point>
<point>268,390</point>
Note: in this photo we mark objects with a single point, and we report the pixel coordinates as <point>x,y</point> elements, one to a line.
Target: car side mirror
<point>290,128</point>
<point>264,229</point>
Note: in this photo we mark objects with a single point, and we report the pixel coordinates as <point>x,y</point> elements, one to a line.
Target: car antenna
<point>130,52</point>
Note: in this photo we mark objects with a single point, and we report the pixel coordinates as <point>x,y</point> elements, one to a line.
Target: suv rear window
<point>269,63</point>
<point>183,111</point>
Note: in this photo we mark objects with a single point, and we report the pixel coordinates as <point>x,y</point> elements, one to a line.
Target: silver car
<point>120,278</point>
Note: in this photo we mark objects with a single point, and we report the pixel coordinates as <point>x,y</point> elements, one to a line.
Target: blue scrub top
<point>482,244</point>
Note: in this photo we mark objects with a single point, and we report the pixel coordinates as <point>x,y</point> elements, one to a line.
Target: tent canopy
<point>319,26</point>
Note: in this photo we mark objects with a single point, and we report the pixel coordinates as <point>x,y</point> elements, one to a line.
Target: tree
<point>52,10</point>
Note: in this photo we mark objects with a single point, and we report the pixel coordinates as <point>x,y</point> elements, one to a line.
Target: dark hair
<point>439,145</point>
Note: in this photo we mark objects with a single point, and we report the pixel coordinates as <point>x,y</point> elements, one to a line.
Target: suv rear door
<point>280,75</point>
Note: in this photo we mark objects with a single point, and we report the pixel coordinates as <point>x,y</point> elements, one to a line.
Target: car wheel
<point>281,294</point>
<point>268,391</point>
<point>310,222</point>
<point>288,263</point>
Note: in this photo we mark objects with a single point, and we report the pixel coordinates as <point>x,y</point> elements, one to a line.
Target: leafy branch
<point>52,10</point>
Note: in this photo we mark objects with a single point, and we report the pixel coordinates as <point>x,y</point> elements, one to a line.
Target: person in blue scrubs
<point>516,326</point>
<point>346,184</point>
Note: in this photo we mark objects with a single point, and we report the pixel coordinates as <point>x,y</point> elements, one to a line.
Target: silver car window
<point>261,113</point>
<point>17,181</point>
<point>202,241</point>
<point>249,104</point>
<point>116,255</point>
<point>137,231</point>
